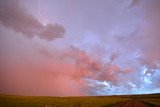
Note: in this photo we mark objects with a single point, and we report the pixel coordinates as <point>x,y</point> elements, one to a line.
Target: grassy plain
<point>88,101</point>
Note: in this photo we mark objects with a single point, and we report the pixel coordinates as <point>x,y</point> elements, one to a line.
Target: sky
<point>79,47</point>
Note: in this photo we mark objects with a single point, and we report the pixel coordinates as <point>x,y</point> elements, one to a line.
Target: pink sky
<point>83,47</point>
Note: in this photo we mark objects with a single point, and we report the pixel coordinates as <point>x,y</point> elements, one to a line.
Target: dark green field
<point>90,101</point>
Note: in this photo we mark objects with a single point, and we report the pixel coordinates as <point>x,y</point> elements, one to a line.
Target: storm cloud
<point>110,47</point>
<point>17,18</point>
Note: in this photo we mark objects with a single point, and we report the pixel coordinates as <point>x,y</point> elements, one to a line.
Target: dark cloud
<point>14,16</point>
<point>51,32</point>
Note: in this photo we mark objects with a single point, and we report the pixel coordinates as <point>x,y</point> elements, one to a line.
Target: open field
<point>90,101</point>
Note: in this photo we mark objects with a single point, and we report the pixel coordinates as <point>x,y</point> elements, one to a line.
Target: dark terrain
<point>143,100</point>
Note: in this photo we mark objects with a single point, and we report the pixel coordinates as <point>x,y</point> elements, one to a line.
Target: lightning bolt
<point>44,21</point>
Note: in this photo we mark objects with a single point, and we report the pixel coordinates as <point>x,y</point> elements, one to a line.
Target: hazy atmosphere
<point>79,47</point>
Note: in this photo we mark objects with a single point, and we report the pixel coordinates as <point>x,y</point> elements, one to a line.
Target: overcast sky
<point>79,47</point>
